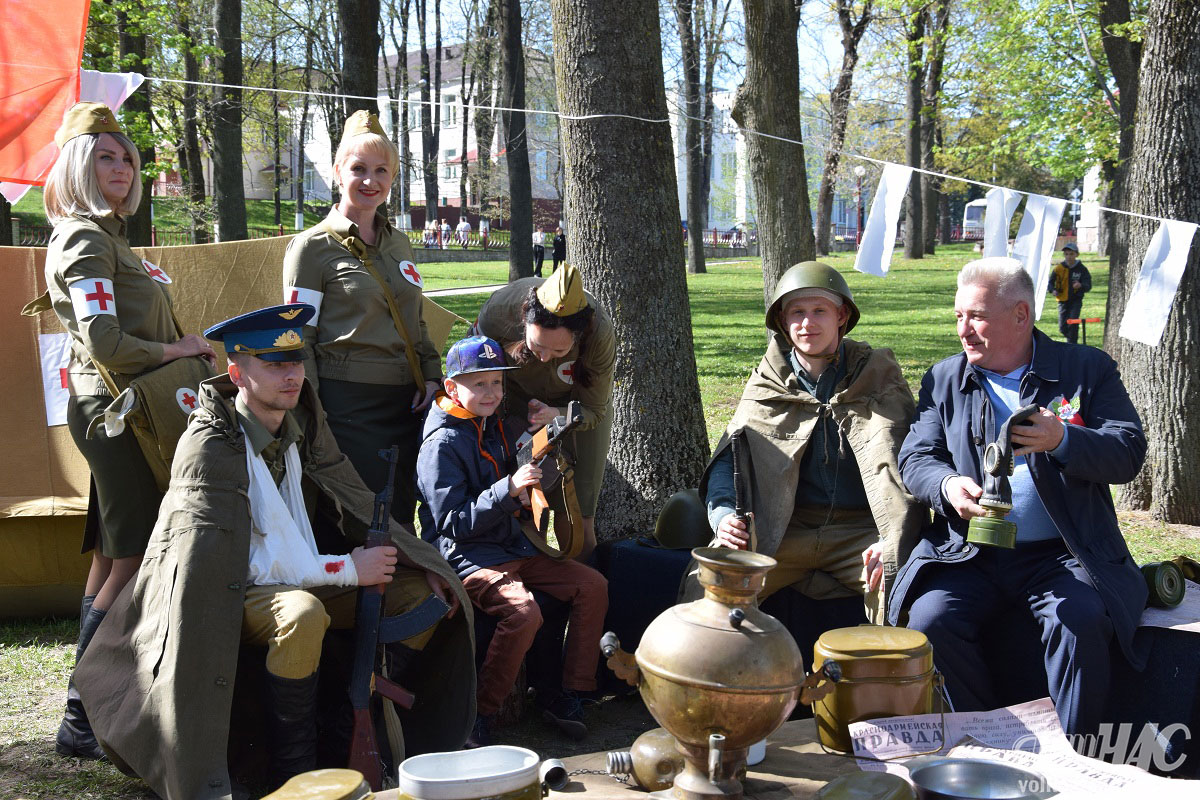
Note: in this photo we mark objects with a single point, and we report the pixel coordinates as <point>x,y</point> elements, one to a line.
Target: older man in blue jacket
<point>1070,568</point>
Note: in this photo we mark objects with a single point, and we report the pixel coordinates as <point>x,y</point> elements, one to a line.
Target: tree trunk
<point>516,143</point>
<point>276,173</point>
<point>485,121</point>
<point>693,156</point>
<point>768,101</point>
<point>1162,180</point>
<point>229,193</point>
<point>6,231</point>
<point>431,118</point>
<point>914,224</point>
<point>133,57</point>
<point>1124,60</point>
<point>621,199</point>
<point>938,25</point>
<point>839,114</point>
<point>193,161</point>
<point>360,54</point>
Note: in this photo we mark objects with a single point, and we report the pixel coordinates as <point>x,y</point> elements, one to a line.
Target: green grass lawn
<point>910,311</point>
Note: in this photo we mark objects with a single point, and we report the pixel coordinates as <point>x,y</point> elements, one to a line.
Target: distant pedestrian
<point>560,247</point>
<point>539,251</point>
<point>445,230</point>
<point>464,232</point>
<point>1069,281</point>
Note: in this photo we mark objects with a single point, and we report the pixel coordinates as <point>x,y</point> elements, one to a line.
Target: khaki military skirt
<point>123,505</point>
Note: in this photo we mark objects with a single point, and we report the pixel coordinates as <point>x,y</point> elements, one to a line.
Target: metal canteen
<point>717,673</point>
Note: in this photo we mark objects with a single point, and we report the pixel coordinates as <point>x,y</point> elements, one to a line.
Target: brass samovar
<point>717,673</point>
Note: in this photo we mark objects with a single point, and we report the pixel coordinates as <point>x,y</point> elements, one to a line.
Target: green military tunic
<point>91,255</point>
<point>353,337</point>
<point>552,381</point>
<point>118,316</point>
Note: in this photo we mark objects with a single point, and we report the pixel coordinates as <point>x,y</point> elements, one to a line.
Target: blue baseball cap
<point>272,334</point>
<point>475,354</point>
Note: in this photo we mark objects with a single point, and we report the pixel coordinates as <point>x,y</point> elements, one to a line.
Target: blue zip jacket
<point>462,477</point>
<point>954,422</point>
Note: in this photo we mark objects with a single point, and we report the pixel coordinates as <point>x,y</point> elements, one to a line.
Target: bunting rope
<point>657,121</point>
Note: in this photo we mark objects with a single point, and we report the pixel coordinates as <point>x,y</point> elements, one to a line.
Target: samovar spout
<point>623,664</point>
<point>716,754</point>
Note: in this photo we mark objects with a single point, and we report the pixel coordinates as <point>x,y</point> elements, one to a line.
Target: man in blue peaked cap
<point>258,542</point>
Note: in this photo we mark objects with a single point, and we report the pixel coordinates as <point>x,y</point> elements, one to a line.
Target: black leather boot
<point>75,737</point>
<point>291,726</point>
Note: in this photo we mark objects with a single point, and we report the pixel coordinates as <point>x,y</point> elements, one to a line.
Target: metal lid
<point>873,641</point>
<point>867,786</point>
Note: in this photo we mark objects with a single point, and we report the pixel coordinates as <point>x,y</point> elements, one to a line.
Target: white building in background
<point>1087,229</point>
<point>545,171</point>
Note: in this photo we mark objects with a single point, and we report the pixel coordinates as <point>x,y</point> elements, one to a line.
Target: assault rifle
<point>741,510</point>
<point>545,451</point>
<point>371,631</point>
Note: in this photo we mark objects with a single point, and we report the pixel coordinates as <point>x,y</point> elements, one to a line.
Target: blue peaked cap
<point>272,334</point>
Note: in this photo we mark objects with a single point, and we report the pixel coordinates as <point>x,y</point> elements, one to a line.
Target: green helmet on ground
<point>683,522</point>
<point>810,275</point>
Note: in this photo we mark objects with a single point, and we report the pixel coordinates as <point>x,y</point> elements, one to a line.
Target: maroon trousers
<point>503,591</point>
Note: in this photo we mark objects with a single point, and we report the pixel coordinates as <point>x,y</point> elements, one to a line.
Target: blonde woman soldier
<point>366,349</point>
<point>118,313</point>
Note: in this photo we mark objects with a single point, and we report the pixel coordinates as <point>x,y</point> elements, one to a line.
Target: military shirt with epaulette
<point>353,336</point>
<point>553,381</point>
<point>116,313</point>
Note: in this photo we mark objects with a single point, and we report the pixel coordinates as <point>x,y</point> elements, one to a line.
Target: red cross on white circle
<point>186,399</point>
<point>566,372</point>
<point>100,296</point>
<point>409,270</point>
<point>154,272</point>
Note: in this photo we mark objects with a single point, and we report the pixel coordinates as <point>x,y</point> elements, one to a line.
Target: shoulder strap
<point>359,251</point>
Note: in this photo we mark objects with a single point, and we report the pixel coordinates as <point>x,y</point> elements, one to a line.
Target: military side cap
<point>475,354</point>
<point>562,293</point>
<point>272,334</point>
<point>84,118</point>
<point>361,122</point>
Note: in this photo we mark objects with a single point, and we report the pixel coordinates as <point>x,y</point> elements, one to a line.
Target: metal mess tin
<point>885,672</point>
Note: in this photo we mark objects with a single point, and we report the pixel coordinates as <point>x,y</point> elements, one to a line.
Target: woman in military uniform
<point>565,348</point>
<point>367,349</point>
<point>119,317</point>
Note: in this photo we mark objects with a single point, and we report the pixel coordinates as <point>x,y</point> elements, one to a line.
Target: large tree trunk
<point>621,199</point>
<point>1124,60</point>
<point>229,193</point>
<point>360,53</point>
<point>193,161</point>
<point>516,143</point>
<point>914,223</point>
<point>133,57</point>
<point>693,156</point>
<point>938,26</point>
<point>6,231</point>
<point>768,101</point>
<point>431,104</point>
<point>1162,180</point>
<point>485,121</point>
<point>839,113</point>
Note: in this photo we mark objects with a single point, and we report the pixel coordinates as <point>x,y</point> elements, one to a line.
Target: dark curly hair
<point>580,324</point>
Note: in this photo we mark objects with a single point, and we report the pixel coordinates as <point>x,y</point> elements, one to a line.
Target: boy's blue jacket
<point>462,476</point>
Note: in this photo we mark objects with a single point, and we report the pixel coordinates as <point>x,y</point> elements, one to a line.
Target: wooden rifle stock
<point>543,451</point>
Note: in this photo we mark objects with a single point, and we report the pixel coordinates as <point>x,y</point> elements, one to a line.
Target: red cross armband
<point>298,294</point>
<point>92,296</point>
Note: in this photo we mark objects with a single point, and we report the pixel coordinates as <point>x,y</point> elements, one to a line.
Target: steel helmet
<point>810,275</point>
<point>683,522</point>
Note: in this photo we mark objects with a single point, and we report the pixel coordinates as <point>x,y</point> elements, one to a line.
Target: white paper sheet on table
<point>1149,303</point>
<point>879,234</point>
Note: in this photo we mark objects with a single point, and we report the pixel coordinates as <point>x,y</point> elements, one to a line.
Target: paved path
<point>466,290</point>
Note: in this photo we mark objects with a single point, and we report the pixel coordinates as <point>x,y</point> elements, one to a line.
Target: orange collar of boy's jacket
<point>447,404</point>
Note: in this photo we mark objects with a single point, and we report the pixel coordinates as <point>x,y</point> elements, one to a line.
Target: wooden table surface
<point>795,767</point>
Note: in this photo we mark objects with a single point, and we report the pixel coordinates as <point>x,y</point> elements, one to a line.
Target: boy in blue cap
<point>473,507</point>
<point>258,541</point>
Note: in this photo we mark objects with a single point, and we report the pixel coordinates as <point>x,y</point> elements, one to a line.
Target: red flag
<point>41,46</point>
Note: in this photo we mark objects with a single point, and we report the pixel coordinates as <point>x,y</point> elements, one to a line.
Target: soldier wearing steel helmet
<point>822,418</point>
